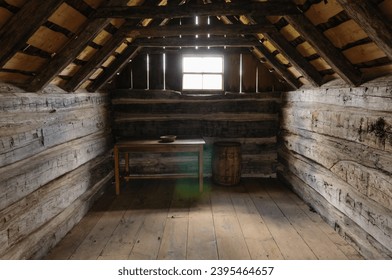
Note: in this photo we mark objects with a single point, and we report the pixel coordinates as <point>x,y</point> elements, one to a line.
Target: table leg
<point>117,170</point>
<point>126,164</point>
<point>201,179</point>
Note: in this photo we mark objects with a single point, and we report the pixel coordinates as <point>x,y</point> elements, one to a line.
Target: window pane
<point>213,64</point>
<point>192,81</point>
<point>192,64</point>
<point>211,81</point>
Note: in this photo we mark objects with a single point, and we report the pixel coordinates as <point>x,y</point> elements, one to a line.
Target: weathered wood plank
<point>38,243</point>
<point>70,51</point>
<point>93,245</point>
<point>371,20</point>
<point>351,231</point>
<point>36,209</point>
<point>64,249</point>
<point>175,235</point>
<point>31,133</point>
<point>230,240</point>
<point>186,30</point>
<point>290,243</point>
<point>303,66</point>
<point>190,10</point>
<point>326,49</point>
<point>26,176</point>
<point>334,236</point>
<point>17,102</point>
<point>262,51</point>
<point>150,235</point>
<point>314,237</point>
<point>14,35</point>
<point>201,233</point>
<point>260,242</point>
<point>371,216</point>
<point>368,128</point>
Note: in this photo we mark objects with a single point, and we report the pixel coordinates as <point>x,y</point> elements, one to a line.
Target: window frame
<point>221,74</point>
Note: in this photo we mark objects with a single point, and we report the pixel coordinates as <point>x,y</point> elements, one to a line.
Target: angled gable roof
<point>77,43</point>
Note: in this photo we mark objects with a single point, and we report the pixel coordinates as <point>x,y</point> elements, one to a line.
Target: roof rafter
<point>70,51</point>
<point>307,70</point>
<point>370,19</point>
<point>128,54</point>
<point>338,62</point>
<point>13,35</point>
<point>190,10</point>
<point>271,59</point>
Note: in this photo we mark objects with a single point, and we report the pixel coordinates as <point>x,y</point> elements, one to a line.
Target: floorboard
<point>169,219</point>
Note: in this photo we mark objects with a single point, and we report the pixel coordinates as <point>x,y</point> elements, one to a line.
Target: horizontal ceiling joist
<point>197,42</point>
<point>214,9</point>
<point>168,31</point>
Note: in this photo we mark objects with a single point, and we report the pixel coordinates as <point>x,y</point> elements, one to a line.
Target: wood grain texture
<point>220,223</point>
<point>351,169</point>
<point>54,162</point>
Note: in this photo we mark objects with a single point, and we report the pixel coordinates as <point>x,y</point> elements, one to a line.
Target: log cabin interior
<point>303,86</point>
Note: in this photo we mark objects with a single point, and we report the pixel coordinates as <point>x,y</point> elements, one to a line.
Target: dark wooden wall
<point>54,161</point>
<point>336,153</point>
<point>251,119</point>
<point>267,81</point>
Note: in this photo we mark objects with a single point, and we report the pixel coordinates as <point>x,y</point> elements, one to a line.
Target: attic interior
<point>304,86</point>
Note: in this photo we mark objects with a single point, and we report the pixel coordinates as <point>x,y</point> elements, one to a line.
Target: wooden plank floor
<point>169,219</point>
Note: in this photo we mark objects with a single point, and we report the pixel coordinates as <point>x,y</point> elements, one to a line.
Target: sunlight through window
<point>202,72</point>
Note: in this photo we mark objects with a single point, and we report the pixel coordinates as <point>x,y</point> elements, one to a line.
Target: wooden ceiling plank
<point>197,42</point>
<point>129,53</point>
<point>100,57</point>
<point>91,65</point>
<point>278,67</point>
<point>70,51</point>
<point>14,34</point>
<point>338,62</point>
<point>191,10</point>
<point>370,19</point>
<point>293,56</point>
<point>185,30</point>
<point>303,66</point>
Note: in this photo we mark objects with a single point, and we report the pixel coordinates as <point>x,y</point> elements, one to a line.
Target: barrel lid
<point>227,144</point>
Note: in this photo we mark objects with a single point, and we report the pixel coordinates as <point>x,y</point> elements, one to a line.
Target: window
<point>202,72</point>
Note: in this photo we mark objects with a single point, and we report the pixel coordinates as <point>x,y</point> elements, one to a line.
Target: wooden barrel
<point>226,163</point>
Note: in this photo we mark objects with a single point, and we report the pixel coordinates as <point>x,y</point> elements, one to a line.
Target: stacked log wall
<point>336,154</point>
<point>251,119</point>
<point>55,160</point>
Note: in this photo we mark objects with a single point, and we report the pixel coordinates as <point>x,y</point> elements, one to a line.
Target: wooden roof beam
<point>70,51</point>
<point>128,54</point>
<point>185,30</point>
<point>370,19</point>
<point>14,34</point>
<point>270,58</point>
<point>190,10</point>
<point>278,67</point>
<point>200,42</point>
<point>107,50</point>
<point>338,62</point>
<point>308,71</point>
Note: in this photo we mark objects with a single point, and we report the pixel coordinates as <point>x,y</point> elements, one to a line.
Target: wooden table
<point>179,145</point>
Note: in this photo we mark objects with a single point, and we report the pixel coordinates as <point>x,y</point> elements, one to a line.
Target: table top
<point>147,142</point>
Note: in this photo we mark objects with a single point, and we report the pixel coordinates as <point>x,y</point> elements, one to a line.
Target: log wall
<point>54,161</point>
<point>336,153</point>
<point>251,119</point>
